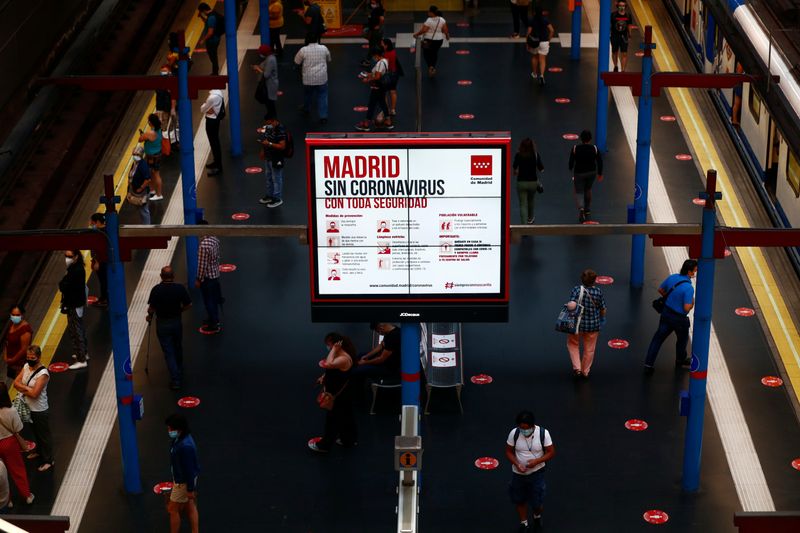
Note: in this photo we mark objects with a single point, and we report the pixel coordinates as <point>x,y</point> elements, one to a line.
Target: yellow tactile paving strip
<point>770,300</point>
<point>49,335</point>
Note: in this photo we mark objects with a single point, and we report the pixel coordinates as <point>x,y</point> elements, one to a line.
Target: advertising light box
<point>409,227</point>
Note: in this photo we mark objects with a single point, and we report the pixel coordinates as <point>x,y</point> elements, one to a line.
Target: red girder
<point>49,241</point>
<point>725,237</point>
<point>140,83</point>
<point>676,79</point>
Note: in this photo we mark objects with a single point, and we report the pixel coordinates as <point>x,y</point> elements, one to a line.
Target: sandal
<point>45,467</point>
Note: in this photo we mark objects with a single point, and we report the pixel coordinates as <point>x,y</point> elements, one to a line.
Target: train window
<point>793,173</point>
<point>754,101</point>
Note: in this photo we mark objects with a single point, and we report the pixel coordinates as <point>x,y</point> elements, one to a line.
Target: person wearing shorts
<point>540,31</point>
<point>185,468</point>
<point>620,34</point>
<point>528,447</point>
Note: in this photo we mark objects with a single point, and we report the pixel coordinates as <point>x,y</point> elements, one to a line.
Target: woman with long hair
<point>526,164</point>
<point>152,152</point>
<point>18,338</point>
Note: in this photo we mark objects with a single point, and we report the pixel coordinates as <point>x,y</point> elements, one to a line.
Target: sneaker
<point>364,125</point>
<point>534,76</point>
<point>686,363</point>
<point>541,80</point>
<point>156,197</point>
<point>587,214</point>
<point>581,216</point>
<point>211,329</point>
<point>392,113</point>
<point>29,499</point>
<point>275,203</point>
<point>340,442</point>
<point>78,365</point>
<point>616,68</point>
<point>314,448</point>
<point>266,200</point>
<point>76,357</point>
<point>389,126</point>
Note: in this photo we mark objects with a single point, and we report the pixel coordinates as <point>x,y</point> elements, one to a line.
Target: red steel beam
<point>49,241</point>
<point>725,237</point>
<point>676,79</point>
<point>139,83</point>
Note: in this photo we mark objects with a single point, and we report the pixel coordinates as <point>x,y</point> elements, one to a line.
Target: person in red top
<point>19,337</point>
<point>390,54</point>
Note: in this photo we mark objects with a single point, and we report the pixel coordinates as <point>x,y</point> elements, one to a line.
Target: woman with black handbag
<point>337,395</point>
<point>434,32</point>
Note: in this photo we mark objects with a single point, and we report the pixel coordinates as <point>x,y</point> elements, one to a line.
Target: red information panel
<point>409,227</point>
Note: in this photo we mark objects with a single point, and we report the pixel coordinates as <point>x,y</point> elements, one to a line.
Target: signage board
<point>408,227</point>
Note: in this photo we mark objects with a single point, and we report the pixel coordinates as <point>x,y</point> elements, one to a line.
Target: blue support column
<point>409,364</point>
<point>643,135</point>
<point>187,160</point>
<point>120,342</point>
<point>575,46</point>
<point>604,45</point>
<point>263,21</point>
<point>232,54</point>
<point>701,334</point>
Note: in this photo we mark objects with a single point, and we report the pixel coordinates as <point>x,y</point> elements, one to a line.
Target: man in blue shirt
<point>185,468</point>
<point>679,295</point>
<point>211,34</point>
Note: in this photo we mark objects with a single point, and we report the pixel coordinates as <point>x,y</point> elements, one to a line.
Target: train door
<point>696,25</point>
<point>773,159</point>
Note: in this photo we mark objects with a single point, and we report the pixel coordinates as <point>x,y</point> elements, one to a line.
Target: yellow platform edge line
<point>49,335</point>
<point>770,300</point>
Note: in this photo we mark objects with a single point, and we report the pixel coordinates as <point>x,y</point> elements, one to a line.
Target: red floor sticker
<point>240,216</point>
<point>280,93</point>
<point>481,379</point>
<point>462,24</point>
<point>464,83</point>
<point>360,108</point>
<point>364,46</point>
<point>486,463</point>
<point>590,222</point>
<point>466,116</point>
<point>563,100</point>
<point>618,344</point>
<point>634,424</point>
<point>796,464</point>
<point>569,136</point>
<point>604,280</point>
<point>656,517</point>
<point>227,267</point>
<point>771,381</point>
<point>633,26</point>
<point>555,69</point>
<point>188,402</point>
<point>254,170</point>
<point>683,157</point>
<point>462,52</point>
<point>164,486</point>
<point>727,253</point>
<point>205,332</point>
<point>639,54</point>
<point>314,440</point>
<point>744,311</point>
<point>200,50</point>
<point>699,201</point>
<point>668,118</point>
<point>58,367</point>
<point>91,300</point>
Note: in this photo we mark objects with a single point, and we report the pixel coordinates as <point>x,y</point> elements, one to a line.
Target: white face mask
<point>137,158</point>
<point>69,260</point>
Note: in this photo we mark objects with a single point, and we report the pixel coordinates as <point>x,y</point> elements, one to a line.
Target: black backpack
<point>219,26</point>
<point>221,113</point>
<point>541,437</point>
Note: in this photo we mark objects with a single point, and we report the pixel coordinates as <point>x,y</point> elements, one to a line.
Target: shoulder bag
<point>23,444</point>
<point>427,43</point>
<point>19,403</point>
<point>660,303</point>
<point>570,321</point>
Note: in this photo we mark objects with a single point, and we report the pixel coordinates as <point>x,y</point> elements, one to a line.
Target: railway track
<point>48,178</point>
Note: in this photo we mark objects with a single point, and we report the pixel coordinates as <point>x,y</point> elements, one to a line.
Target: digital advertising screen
<point>409,227</point>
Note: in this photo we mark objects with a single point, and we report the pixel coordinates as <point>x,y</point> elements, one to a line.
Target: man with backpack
<point>213,30</point>
<point>214,111</point>
<point>276,146</point>
<point>528,447</point>
<point>379,80</point>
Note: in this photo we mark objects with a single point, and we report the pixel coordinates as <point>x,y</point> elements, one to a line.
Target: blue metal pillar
<point>643,135</point>
<point>120,342</point>
<point>409,363</point>
<point>604,45</point>
<point>232,54</point>
<point>187,159</point>
<point>263,20</point>
<point>575,47</point>
<point>701,334</point>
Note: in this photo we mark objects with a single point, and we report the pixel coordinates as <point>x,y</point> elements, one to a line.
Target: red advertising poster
<point>408,224</point>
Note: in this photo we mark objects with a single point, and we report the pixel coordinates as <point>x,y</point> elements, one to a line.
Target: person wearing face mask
<point>18,338</point>
<point>620,35</point>
<point>185,469</point>
<point>528,447</point>
<point>31,383</point>
<point>73,302</point>
<point>272,137</point>
<point>139,185</point>
<point>340,421</point>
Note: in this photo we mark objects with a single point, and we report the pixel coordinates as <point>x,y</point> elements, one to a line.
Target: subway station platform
<point>255,379</point>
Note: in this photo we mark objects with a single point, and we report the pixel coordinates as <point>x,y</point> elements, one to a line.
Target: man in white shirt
<point>214,110</point>
<point>314,59</point>
<point>528,447</point>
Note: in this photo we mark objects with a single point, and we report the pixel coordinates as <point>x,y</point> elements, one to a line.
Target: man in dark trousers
<point>98,222</point>
<point>168,300</point>
<point>212,31</point>
<point>214,110</point>
<point>208,280</point>
<point>185,469</point>
<point>383,361</point>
